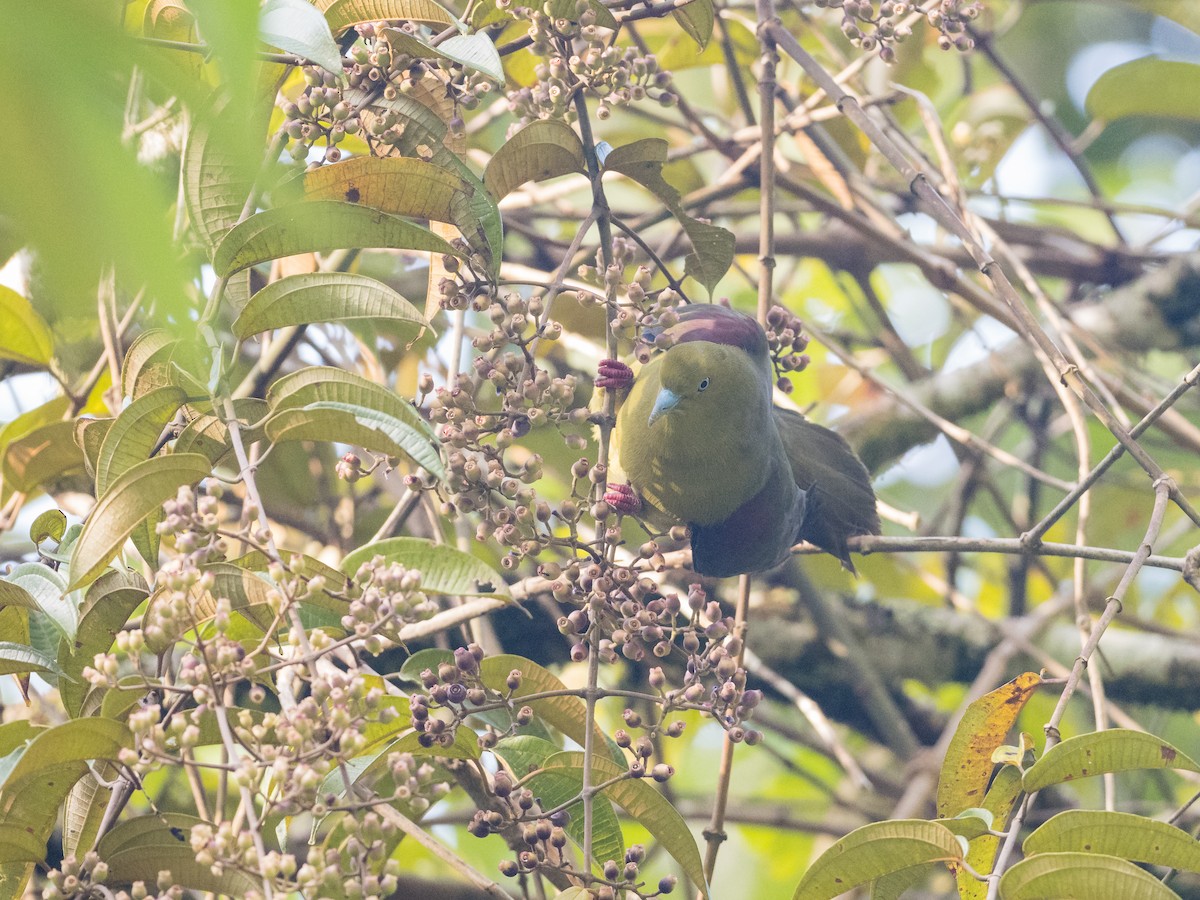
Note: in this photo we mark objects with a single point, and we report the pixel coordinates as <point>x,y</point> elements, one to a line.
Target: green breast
<point>697,468</point>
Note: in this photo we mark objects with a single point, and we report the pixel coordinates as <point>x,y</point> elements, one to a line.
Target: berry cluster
<point>786,342</point>
<point>881,24</point>
<point>361,100</point>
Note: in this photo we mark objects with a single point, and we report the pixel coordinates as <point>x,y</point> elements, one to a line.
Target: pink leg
<point>623,498</point>
<point>614,375</point>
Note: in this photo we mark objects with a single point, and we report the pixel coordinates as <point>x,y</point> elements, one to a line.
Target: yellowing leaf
<point>968,764</point>
<point>541,150</point>
<point>24,335</point>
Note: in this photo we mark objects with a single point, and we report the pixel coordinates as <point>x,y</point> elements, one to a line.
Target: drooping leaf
<point>209,434</point>
<point>215,181</point>
<point>342,14</point>
<point>325,297</point>
<point>135,434</point>
<point>135,495</point>
<point>642,802</point>
<point>24,335</point>
<point>876,850</point>
<point>1089,875</point>
<point>308,403</point>
<point>1116,750</point>
<point>444,569</point>
<point>18,658</point>
<point>18,845</point>
<point>319,226</point>
<point>107,606</point>
<point>473,51</point>
<point>423,114</point>
<point>50,525</point>
<point>37,588</point>
<point>296,26</point>
<point>1120,834</point>
<point>544,149</point>
<point>1136,89</point>
<point>968,764</point>
<point>712,246</point>
<point>83,810</point>
<point>396,185</point>
<point>697,18</point>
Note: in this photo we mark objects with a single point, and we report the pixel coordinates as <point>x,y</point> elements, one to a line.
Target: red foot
<point>623,498</point>
<point>614,375</point>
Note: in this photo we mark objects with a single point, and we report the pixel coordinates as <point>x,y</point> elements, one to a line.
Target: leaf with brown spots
<point>1117,750</point>
<point>984,726</point>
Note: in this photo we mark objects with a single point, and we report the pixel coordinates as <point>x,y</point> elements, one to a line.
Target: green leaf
<point>215,182</point>
<point>541,150</point>
<point>696,17</point>
<point>40,457</point>
<point>308,402</point>
<point>429,658</point>
<point>567,714</point>
<point>296,26</point>
<point>650,808</point>
<point>342,14</point>
<point>24,335</point>
<point>18,845</point>
<point>1087,875</point>
<point>318,226</point>
<point>38,777</point>
<point>107,606</point>
<point>325,297</point>
<point>525,754</point>
<point>1000,801</point>
<point>135,434</point>
<point>968,765</point>
<point>712,246</point>
<point>1120,834</point>
<point>444,569</point>
<point>17,658</point>
<point>1116,750</point>
<point>137,849</point>
<point>1137,89</point>
<point>136,494</point>
<point>1186,14</point>
<point>112,209</point>
<point>83,809</point>
<point>876,850</point>
<point>40,589</point>
<point>209,434</point>
<point>52,524</point>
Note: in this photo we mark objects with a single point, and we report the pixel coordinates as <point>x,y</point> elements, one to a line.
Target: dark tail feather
<point>841,502</point>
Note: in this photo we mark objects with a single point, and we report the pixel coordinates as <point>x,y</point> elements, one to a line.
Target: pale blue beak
<point>666,401</point>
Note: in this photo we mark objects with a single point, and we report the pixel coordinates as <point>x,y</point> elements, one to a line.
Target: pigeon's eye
<point>704,384</point>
